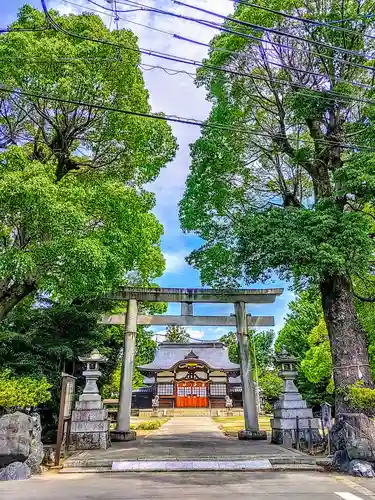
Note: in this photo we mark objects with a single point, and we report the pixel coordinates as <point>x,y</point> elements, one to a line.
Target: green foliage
<point>177,334</point>
<point>271,385</point>
<point>22,392</point>
<point>260,348</point>
<point>361,397</point>
<point>262,360</point>
<point>144,353</point>
<point>75,219</point>
<point>269,192</point>
<point>317,364</point>
<point>304,314</point>
<point>149,425</point>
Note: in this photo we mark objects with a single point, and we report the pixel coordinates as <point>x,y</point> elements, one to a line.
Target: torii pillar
<point>251,430</point>
<point>123,431</point>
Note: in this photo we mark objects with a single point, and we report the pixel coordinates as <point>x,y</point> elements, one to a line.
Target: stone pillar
<point>248,394</point>
<point>123,432</point>
<point>290,406</point>
<point>90,424</point>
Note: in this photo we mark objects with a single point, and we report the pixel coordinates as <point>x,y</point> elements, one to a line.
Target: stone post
<point>123,432</point>
<point>90,424</point>
<point>248,394</point>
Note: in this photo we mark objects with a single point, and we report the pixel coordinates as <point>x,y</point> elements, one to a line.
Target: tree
<point>75,219</point>
<point>262,357</point>
<point>284,183</point>
<point>304,314</point>
<point>260,347</point>
<point>176,334</point>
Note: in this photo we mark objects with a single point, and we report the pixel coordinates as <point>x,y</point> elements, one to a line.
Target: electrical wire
<point>300,19</point>
<point>247,36</point>
<point>323,95</point>
<point>251,37</point>
<point>256,27</point>
<point>177,119</point>
<point>120,18</point>
<point>24,30</point>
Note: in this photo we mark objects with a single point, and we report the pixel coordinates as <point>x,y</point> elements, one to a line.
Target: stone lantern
<point>293,421</point>
<point>92,375</point>
<point>90,424</point>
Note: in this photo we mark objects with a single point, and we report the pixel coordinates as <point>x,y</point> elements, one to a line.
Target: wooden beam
<point>161,320</point>
<point>205,295</point>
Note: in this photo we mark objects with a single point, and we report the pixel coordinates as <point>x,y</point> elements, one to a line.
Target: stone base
<point>90,441</point>
<point>117,436</point>
<point>252,435</point>
<point>287,437</point>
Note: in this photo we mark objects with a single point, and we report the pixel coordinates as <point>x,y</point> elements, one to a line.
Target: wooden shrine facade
<point>195,375</point>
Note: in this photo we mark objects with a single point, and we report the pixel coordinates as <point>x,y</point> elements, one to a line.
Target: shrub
<point>22,392</point>
<point>361,397</point>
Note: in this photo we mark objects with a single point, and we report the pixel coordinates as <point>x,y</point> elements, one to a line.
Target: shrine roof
<point>213,354</point>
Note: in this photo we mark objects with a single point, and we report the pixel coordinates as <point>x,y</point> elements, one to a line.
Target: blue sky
<point>176,95</point>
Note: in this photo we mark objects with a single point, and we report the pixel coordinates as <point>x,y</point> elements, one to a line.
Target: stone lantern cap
<point>287,364</point>
<point>94,357</point>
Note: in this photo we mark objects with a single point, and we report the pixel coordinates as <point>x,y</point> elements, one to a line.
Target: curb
<point>273,464</point>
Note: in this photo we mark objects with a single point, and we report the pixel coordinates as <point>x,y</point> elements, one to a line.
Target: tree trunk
<point>11,295</point>
<point>348,340</point>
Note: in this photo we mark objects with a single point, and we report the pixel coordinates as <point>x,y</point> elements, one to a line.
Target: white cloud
<point>174,262</point>
<point>195,334</point>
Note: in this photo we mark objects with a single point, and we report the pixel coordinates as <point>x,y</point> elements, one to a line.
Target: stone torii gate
<point>187,297</point>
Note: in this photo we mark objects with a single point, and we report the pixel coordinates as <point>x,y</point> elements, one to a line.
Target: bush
<point>149,425</point>
<point>22,392</point>
<point>361,397</point>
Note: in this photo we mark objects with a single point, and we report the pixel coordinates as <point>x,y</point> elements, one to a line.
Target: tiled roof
<point>214,354</point>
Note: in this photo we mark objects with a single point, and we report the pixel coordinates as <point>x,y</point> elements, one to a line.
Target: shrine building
<point>195,375</point>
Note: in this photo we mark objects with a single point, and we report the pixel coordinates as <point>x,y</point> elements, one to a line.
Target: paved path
<point>181,438</point>
<point>186,486</point>
<point>188,429</point>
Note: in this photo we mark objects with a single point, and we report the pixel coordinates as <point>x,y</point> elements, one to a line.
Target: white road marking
<point>347,496</point>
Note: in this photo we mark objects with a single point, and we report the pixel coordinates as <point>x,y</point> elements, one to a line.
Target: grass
<point>231,425</point>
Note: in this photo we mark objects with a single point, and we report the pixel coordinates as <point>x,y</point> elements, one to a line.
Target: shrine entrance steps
<point>188,443</point>
<point>191,412</point>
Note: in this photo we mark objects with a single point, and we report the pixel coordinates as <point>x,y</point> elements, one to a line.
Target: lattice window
<point>165,389</point>
<point>200,392</point>
<point>218,390</point>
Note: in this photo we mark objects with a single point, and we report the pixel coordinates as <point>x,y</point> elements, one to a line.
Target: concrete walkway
<point>181,430</point>
<point>185,439</point>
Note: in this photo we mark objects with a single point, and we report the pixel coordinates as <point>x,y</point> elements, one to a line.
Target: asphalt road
<point>189,486</point>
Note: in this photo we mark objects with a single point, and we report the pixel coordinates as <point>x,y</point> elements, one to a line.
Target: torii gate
<point>187,297</point>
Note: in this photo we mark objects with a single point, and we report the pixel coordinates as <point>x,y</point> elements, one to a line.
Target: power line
<point>256,27</point>
<point>120,18</point>
<point>24,30</point>
<point>192,62</point>
<point>301,19</point>
<point>247,36</point>
<point>176,119</point>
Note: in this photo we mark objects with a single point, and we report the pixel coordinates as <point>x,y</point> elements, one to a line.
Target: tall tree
<point>260,347</point>
<point>75,219</point>
<point>176,334</point>
<point>286,185</point>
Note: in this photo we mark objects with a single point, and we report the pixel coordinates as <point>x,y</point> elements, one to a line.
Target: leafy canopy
<point>75,218</point>
<point>288,189</point>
